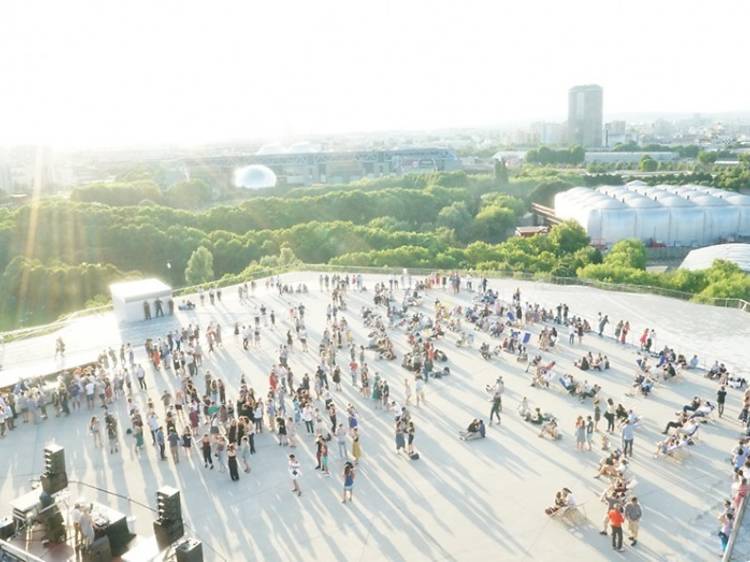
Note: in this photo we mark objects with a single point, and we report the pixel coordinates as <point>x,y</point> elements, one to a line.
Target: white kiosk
<point>144,299</point>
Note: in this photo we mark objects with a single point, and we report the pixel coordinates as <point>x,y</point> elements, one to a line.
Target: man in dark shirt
<point>721,396</point>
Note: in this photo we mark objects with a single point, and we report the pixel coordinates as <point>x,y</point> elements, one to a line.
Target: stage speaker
<point>168,504</point>
<point>54,478</point>
<point>7,528</point>
<point>99,551</point>
<point>190,551</point>
<point>168,532</point>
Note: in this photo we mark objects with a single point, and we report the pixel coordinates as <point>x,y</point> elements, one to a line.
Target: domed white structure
<point>703,258</point>
<point>682,215</point>
<point>254,176</point>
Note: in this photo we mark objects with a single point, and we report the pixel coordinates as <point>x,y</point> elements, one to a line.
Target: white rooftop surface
<point>703,258</point>
<point>129,290</point>
<point>460,501</point>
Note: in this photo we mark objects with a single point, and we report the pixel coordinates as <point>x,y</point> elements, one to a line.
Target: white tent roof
<point>138,290</point>
<point>703,258</point>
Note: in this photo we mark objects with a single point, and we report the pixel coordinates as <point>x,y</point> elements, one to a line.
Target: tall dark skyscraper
<point>585,115</point>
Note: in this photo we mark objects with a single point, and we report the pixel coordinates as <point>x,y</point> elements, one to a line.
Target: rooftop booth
<point>144,299</point>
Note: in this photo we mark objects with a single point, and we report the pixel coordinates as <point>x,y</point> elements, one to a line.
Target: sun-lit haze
<point>100,73</point>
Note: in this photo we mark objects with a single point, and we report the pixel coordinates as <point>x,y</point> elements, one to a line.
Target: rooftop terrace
<point>461,500</point>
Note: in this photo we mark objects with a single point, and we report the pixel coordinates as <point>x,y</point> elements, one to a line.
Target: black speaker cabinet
<point>190,551</point>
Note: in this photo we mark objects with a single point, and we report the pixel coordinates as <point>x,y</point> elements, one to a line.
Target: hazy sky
<point>123,72</point>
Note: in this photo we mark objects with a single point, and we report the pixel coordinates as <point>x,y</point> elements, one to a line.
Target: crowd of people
<point>203,421</point>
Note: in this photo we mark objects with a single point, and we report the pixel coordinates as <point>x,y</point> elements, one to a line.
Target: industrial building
<point>306,165</point>
<point>685,215</point>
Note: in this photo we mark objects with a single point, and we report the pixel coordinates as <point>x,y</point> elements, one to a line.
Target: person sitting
<point>558,505</point>
<point>689,430</point>
<point>611,466</point>
<point>475,430</point>
<point>537,418</point>
<point>703,411</point>
<point>523,409</point>
<point>549,427</point>
<point>568,383</point>
<point>670,445</point>
<point>484,350</point>
<point>692,406</point>
<point>693,363</point>
<point>583,363</point>
<point>669,371</point>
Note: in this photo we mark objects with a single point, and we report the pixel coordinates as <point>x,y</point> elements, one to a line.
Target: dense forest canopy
<point>57,255</point>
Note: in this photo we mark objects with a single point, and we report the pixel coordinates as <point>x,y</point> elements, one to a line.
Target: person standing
<point>615,521</point>
<point>94,428</point>
<point>160,442</point>
<point>628,435</point>
<point>234,473</point>
<point>356,447</point>
<point>410,431</point>
<point>348,481</point>
<point>589,432</point>
<point>206,450</point>
<point>633,514</point>
<point>400,441</point>
<point>497,401</point>
<point>609,415</point>
<point>341,442</point>
<point>174,444</point>
<point>721,396</point>
<point>294,474</point>
<point>580,429</point>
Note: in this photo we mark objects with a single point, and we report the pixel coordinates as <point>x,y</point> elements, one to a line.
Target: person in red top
<point>616,520</point>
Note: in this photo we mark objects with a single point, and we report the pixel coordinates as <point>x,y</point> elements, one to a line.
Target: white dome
<point>254,176</point>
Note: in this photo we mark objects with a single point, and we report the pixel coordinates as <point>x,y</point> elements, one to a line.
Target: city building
<point>544,132</point>
<point>598,157</point>
<point>615,132</point>
<point>585,115</point>
<point>314,166</point>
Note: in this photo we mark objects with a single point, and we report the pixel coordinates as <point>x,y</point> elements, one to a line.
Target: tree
<point>456,217</point>
<point>627,253</point>
<point>501,172</point>
<point>568,237</point>
<point>648,164</point>
<point>191,194</point>
<point>200,267</point>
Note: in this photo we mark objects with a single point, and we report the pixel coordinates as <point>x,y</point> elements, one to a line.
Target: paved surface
<point>461,501</point>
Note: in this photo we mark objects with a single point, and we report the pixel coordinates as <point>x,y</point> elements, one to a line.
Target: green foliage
<point>627,253</point>
<point>200,267</point>
<point>545,192</point>
<point>545,155</point>
<point>568,238</point>
<point>192,194</point>
<point>648,164</point>
<point>117,194</point>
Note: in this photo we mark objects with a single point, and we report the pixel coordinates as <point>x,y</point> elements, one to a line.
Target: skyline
<point>90,74</point>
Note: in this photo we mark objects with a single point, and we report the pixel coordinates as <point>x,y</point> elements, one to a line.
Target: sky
<point>104,72</point>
